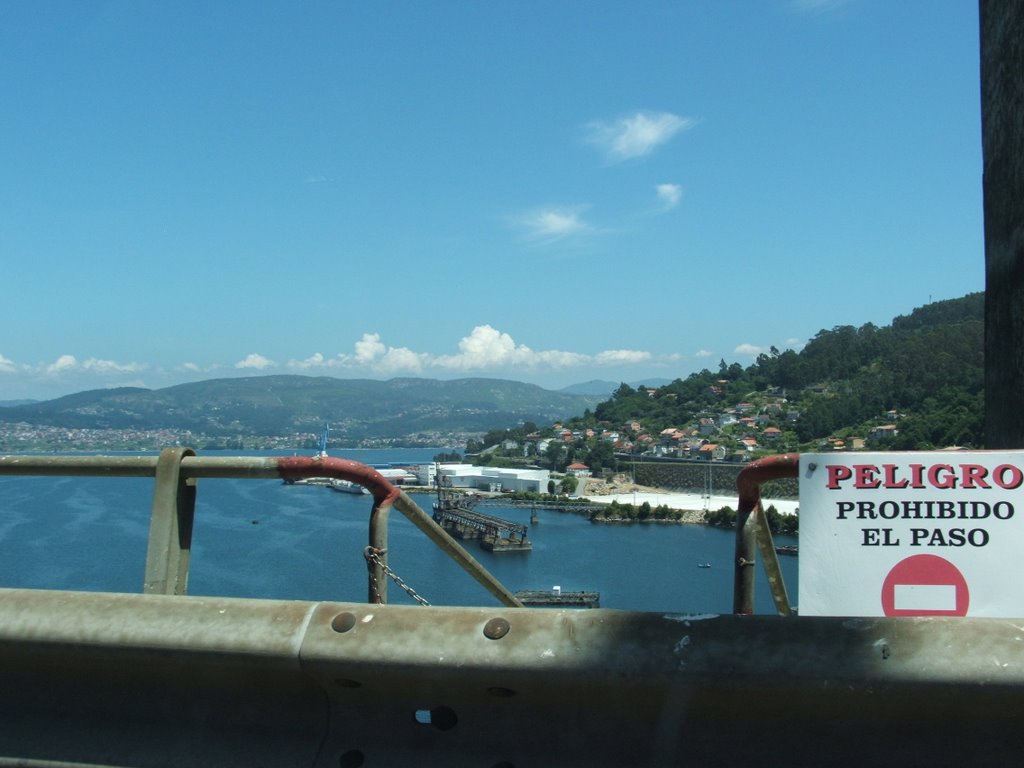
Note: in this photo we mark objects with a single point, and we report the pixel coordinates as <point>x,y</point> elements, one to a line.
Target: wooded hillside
<point>924,373</point>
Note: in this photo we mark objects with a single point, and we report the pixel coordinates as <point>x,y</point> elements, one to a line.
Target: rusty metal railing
<point>176,472</point>
<point>752,531</point>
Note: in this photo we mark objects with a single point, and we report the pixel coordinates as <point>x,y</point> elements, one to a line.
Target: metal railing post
<point>170,526</point>
<point>752,532</point>
<point>377,588</point>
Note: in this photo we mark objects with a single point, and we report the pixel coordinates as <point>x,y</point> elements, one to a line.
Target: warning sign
<point>911,534</point>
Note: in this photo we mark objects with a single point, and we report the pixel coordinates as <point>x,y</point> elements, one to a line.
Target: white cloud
<point>316,360</point>
<point>622,357</point>
<point>400,360</point>
<point>486,347</point>
<point>372,353</point>
<point>62,363</point>
<point>636,135</point>
<point>669,195</point>
<point>109,366</point>
<point>369,348</point>
<point>196,368</point>
<point>92,365</point>
<point>749,349</point>
<point>702,353</point>
<point>259,362</point>
<point>555,358</point>
<point>7,366</point>
<point>554,223</point>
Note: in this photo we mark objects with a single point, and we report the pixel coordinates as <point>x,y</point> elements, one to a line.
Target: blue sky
<point>546,191</point>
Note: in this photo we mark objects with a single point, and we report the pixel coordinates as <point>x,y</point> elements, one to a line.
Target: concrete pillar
<point>1002,121</point>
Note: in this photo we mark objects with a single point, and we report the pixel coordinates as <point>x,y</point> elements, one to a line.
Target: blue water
<point>261,538</point>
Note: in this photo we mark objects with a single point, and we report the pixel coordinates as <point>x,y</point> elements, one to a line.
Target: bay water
<point>262,538</point>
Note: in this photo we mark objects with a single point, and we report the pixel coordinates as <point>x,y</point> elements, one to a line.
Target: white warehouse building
<point>492,479</point>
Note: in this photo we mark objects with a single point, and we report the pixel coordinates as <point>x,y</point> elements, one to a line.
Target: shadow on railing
<point>175,472</point>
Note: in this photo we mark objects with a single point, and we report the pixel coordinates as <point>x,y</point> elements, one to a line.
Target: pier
<point>556,598</point>
<point>456,514</point>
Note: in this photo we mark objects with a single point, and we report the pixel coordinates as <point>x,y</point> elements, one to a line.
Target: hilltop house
<point>883,432</point>
<point>707,426</point>
<point>711,452</point>
<point>671,435</point>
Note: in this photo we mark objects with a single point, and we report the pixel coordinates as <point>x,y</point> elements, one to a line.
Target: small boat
<point>703,565</point>
<point>324,481</point>
<point>346,486</point>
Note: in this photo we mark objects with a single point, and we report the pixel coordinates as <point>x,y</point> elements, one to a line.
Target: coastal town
<point>19,436</point>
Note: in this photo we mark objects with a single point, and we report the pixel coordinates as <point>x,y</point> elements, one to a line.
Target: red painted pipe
<point>302,467</point>
<point>749,481</point>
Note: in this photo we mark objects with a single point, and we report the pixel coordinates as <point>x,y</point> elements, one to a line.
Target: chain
<point>373,556</point>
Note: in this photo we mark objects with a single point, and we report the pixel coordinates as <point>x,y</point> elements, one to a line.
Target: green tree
<point>623,391</point>
<point>554,453</point>
<point>600,455</point>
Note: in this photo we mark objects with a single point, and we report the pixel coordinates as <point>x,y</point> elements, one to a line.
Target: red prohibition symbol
<point>925,585</point>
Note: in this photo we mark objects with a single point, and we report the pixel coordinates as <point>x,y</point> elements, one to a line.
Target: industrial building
<point>492,479</point>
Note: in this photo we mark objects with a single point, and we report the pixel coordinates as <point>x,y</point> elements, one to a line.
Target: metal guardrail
<point>163,682</point>
<point>176,472</point>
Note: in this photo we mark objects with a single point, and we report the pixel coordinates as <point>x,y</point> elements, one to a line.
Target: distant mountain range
<point>355,409</point>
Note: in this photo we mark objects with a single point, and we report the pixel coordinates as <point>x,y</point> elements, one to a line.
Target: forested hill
<point>355,409</point>
<point>927,367</point>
